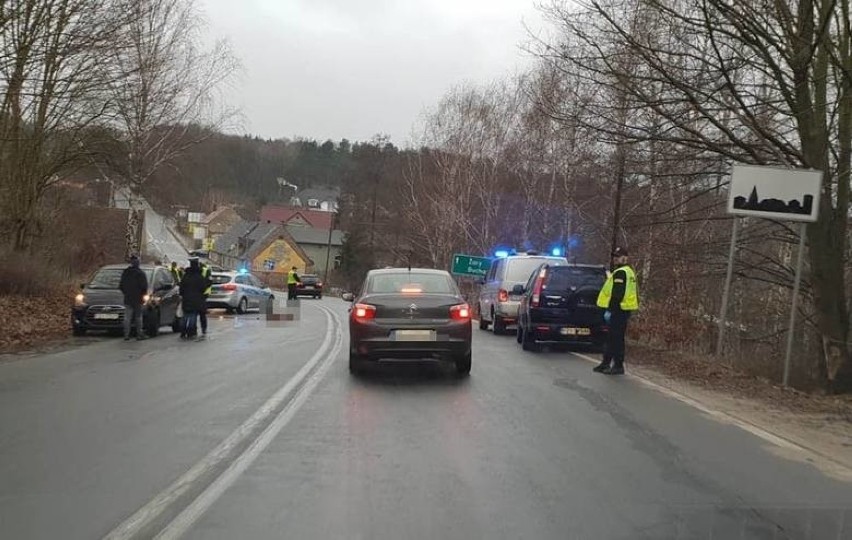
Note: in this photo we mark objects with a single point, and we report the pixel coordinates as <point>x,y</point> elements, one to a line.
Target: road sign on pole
<point>772,193</point>
<point>469,265</point>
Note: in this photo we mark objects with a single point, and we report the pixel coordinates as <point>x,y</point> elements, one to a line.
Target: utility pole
<point>328,247</point>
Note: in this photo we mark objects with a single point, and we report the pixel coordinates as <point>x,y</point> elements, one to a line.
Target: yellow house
<point>273,252</point>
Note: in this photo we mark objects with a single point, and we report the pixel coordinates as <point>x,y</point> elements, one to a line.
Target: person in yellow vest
<point>293,281</point>
<point>619,297</point>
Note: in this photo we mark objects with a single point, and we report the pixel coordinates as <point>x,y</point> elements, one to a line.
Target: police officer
<point>619,297</point>
<point>293,280</point>
<point>177,272</point>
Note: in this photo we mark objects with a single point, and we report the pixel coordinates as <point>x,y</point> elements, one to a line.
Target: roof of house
<point>314,235</point>
<point>228,242</point>
<point>320,194</point>
<point>284,214</point>
<point>258,236</point>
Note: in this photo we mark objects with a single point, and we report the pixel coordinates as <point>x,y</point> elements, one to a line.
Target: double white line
<point>236,453</point>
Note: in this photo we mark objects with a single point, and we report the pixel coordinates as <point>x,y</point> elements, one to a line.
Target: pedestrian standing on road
<point>293,281</point>
<point>134,286</point>
<point>192,296</point>
<point>206,271</point>
<point>619,297</point>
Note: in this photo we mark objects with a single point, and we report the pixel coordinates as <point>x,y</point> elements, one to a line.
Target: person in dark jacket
<point>134,285</point>
<point>192,288</point>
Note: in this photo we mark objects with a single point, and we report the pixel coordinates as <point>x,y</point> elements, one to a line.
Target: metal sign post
<point>723,314</point>
<point>800,258</point>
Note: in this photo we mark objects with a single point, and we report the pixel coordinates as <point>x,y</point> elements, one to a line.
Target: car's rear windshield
<point>520,270</point>
<point>309,279</point>
<point>563,278</point>
<point>219,279</point>
<point>411,283</point>
<point>110,278</point>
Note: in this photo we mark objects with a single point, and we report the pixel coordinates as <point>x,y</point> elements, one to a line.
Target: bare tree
<point>165,88</point>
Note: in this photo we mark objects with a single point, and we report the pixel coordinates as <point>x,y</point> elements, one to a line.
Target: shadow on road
<point>409,373</point>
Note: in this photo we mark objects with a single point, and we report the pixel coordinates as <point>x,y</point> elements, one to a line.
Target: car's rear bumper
<point>376,342</point>
<point>316,291</point>
<point>508,311</point>
<point>568,333</point>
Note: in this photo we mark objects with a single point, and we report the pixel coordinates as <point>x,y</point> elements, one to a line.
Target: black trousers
<point>614,351</point>
<point>291,291</point>
<point>202,317</point>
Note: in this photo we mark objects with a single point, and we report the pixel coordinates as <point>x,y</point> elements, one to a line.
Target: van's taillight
<point>229,287</point>
<point>460,312</point>
<point>536,292</point>
<point>502,295</point>
<point>363,312</point>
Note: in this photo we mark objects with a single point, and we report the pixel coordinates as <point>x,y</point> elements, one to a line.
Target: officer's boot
<point>617,368</point>
<point>604,365</point>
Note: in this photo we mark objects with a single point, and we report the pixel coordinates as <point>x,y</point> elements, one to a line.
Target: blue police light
<point>501,254</point>
<point>244,270</point>
<point>556,252</point>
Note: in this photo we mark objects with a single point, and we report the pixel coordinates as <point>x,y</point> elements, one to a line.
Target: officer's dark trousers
<point>615,342</point>
<point>291,291</point>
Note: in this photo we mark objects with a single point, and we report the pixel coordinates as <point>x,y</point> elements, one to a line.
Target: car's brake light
<point>539,283</point>
<point>319,283</point>
<point>460,312</point>
<point>502,295</point>
<point>229,287</point>
<point>363,312</point>
<point>411,290</point>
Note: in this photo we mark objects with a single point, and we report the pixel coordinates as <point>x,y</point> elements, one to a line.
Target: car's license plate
<point>106,316</point>
<point>575,331</point>
<point>414,335</point>
<point>309,286</point>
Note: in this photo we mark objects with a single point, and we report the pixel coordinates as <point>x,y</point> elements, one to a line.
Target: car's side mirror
<point>518,290</point>
<point>348,296</point>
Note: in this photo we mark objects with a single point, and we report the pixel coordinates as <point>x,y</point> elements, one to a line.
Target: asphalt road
<point>261,432</point>
<point>159,239</point>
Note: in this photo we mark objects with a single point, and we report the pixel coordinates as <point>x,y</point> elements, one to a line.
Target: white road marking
<point>182,523</point>
<point>730,418</point>
<point>162,501</point>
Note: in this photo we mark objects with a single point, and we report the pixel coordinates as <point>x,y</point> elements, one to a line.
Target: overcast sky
<point>333,69</point>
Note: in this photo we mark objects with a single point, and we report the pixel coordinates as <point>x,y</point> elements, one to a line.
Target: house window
<point>313,203</point>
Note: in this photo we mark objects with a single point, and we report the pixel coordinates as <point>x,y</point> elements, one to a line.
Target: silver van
<point>497,304</point>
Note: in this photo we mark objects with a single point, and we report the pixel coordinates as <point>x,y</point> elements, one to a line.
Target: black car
<point>409,314</point>
<point>309,286</point>
<point>100,304</point>
<point>559,306</point>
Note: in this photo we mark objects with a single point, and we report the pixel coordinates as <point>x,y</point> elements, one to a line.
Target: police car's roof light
<point>243,271</point>
<point>501,254</point>
<point>556,252</point>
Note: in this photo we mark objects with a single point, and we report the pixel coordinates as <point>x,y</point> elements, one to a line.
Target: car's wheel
<point>528,342</point>
<point>229,310</point>
<point>483,324</point>
<point>242,307</point>
<point>78,331</point>
<point>177,324</point>
<point>499,326</point>
<point>152,323</point>
<point>463,364</point>
<point>319,297</point>
<point>356,363</point>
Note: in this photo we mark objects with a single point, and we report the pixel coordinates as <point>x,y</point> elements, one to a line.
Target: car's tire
<point>78,331</point>
<point>229,310</point>
<point>242,307</point>
<point>499,326</point>
<point>483,324</point>
<point>319,297</point>
<point>463,363</point>
<point>528,343</point>
<point>177,325</point>
<point>356,363</point>
<point>152,323</point>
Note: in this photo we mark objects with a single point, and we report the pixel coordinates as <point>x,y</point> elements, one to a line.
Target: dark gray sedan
<point>409,314</point>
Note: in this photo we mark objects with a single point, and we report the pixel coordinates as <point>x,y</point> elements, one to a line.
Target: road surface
<point>160,241</point>
<point>261,432</point>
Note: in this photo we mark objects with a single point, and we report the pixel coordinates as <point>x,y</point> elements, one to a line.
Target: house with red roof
<point>296,215</point>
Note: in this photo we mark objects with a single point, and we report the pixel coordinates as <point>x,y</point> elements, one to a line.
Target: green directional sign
<point>468,265</point>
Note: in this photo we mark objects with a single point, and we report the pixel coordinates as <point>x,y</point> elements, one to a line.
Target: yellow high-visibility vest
<point>291,278</point>
<point>630,302</point>
<point>205,272</point>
